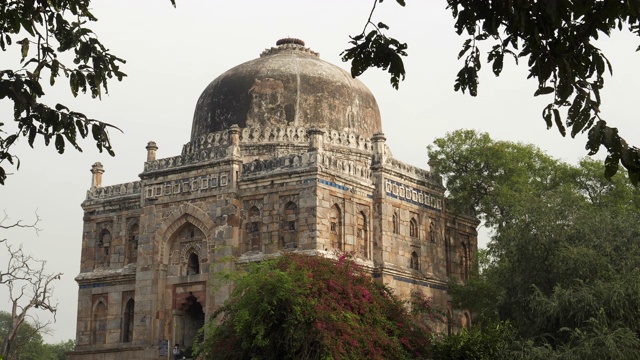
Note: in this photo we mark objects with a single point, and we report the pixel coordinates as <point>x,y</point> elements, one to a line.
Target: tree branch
<point>28,283</point>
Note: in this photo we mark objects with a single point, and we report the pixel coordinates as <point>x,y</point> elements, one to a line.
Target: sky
<point>173,54</point>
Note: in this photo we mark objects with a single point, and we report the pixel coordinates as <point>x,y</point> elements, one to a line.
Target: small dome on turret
<point>288,85</point>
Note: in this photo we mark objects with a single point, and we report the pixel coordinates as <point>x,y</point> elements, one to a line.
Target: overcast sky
<point>172,54</point>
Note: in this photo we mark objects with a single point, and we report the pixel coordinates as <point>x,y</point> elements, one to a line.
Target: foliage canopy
<point>562,264</point>
<point>29,344</point>
<point>556,40</point>
<point>43,31</point>
<point>311,307</point>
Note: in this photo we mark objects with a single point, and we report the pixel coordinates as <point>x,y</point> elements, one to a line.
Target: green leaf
<point>558,121</point>
<point>32,135</point>
<point>61,107</point>
<point>497,64</point>
<point>610,165</point>
<point>546,115</point>
<point>9,140</point>
<point>24,48</point>
<point>544,90</point>
<point>59,143</point>
<point>27,25</point>
<point>73,84</point>
<point>465,47</point>
<point>97,132</point>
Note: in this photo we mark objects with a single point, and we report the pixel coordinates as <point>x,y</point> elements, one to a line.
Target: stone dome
<point>288,85</point>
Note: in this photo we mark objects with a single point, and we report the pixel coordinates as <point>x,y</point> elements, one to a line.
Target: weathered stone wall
<point>237,197</point>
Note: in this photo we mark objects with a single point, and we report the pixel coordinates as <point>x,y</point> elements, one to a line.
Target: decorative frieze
<point>412,195</point>
<point>354,168</point>
<point>340,187</point>
<point>277,135</point>
<point>256,135</point>
<point>113,191</point>
<point>186,159</point>
<point>284,162</point>
<point>214,139</point>
<point>327,161</point>
<point>187,185</point>
<point>274,135</point>
<point>347,139</point>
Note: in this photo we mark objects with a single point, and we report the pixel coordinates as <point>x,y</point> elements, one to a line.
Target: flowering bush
<point>310,307</point>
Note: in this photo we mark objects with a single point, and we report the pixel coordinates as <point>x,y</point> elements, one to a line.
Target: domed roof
<point>288,85</point>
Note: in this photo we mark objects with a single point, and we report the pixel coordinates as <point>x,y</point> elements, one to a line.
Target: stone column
<point>177,329</point>
<point>233,151</point>
<point>234,141</point>
<point>96,179</point>
<point>315,139</point>
<point>234,135</point>
<point>151,150</point>
<point>379,215</point>
<point>378,148</point>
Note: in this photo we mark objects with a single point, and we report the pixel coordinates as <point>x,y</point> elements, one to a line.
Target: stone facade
<point>237,195</point>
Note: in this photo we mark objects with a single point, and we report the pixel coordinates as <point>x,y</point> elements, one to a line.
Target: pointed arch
<point>395,223</point>
<point>254,211</point>
<point>133,236</point>
<point>253,238</point>
<point>103,247</point>
<point>193,263</point>
<point>335,221</point>
<point>447,253</point>
<point>187,250</point>
<point>362,235</point>
<point>192,321</point>
<point>289,226</point>
<point>466,320</point>
<point>413,228</point>
<point>464,261</point>
<point>127,320</point>
<point>433,230</point>
<point>415,261</point>
<point>185,213</point>
<point>99,322</point>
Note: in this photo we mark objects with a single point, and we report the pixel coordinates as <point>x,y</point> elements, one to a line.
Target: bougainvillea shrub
<point>310,307</point>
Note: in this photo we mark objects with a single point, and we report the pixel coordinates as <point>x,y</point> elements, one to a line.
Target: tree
<point>27,344</point>
<point>29,287</point>
<point>482,174</point>
<point>47,32</point>
<point>48,29</point>
<point>557,40</point>
<point>57,351</point>
<point>563,256</point>
<point>492,343</point>
<point>311,307</point>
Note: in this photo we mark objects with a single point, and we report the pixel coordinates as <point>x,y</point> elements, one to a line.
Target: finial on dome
<point>289,45</point>
<point>290,41</point>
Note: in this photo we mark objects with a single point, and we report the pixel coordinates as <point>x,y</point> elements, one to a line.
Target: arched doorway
<point>193,320</point>
<point>188,320</point>
<point>99,333</point>
<point>127,321</point>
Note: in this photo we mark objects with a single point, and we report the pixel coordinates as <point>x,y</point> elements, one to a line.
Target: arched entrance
<point>184,250</point>
<point>188,318</point>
